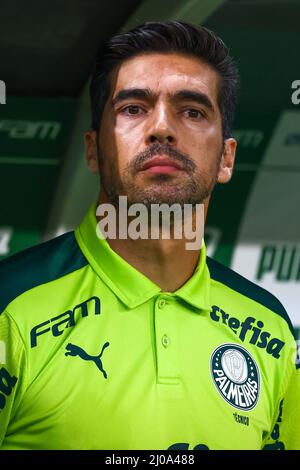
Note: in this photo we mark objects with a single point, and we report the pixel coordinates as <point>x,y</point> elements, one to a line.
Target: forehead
<point>166,73</point>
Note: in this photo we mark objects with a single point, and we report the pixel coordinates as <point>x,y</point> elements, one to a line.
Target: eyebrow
<point>197,96</point>
<point>133,93</point>
<point>147,94</point>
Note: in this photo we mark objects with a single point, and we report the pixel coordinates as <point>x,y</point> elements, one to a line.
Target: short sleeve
<point>286,432</point>
<point>12,371</point>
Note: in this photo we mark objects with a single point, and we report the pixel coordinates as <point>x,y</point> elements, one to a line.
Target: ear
<point>91,151</point>
<point>227,161</point>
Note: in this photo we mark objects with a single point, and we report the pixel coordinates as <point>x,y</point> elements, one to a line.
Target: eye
<point>132,110</point>
<point>194,113</point>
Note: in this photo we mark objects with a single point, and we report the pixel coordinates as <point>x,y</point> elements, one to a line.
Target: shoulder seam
<point>39,265</point>
<point>39,285</point>
<point>238,283</point>
<point>23,344</point>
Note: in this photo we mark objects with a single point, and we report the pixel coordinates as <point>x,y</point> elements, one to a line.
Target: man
<point>140,343</point>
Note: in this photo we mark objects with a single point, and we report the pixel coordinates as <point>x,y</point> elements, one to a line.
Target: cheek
<point>204,147</point>
<point>129,130</point>
<point>129,141</point>
<point>206,151</point>
<point>213,142</point>
<point>201,134</point>
<point>118,149</point>
<point>123,146</point>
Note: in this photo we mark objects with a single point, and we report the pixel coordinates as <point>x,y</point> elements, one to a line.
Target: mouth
<point>162,164</point>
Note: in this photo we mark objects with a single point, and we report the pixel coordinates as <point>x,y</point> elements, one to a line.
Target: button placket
<point>165,341</point>
<point>166,344</point>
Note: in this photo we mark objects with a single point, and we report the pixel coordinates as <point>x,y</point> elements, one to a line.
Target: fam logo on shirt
<point>236,376</point>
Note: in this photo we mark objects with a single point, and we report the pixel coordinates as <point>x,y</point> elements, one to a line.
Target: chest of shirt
<point>152,373</point>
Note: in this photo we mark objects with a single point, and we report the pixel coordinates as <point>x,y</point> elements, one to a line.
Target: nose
<point>161,126</point>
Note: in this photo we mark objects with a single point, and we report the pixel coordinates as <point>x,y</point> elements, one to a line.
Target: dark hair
<point>166,36</point>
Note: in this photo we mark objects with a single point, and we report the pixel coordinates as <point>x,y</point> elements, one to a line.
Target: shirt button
<point>161,303</point>
<point>165,341</point>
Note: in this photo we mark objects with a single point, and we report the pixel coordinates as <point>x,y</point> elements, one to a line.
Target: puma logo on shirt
<point>73,350</point>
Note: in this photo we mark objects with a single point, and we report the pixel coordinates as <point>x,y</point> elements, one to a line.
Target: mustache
<point>159,149</point>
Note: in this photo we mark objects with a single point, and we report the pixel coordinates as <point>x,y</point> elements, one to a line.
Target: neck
<point>166,262</point>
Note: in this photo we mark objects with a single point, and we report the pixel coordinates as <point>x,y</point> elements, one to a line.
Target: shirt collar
<point>131,286</point>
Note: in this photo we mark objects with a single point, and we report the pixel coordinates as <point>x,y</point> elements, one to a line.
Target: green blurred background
<point>46,54</point>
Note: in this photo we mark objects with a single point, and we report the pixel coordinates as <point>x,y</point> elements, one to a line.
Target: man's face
<point>160,138</point>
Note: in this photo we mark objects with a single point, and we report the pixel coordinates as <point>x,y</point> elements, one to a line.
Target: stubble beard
<point>191,186</point>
